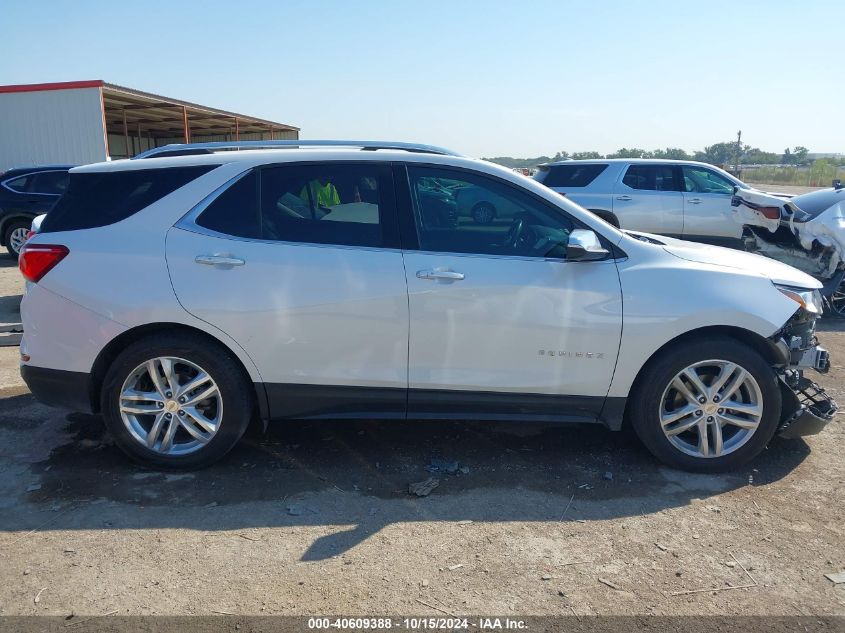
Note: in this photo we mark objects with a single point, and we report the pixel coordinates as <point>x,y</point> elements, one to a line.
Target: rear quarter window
<point>103,198</point>
<point>569,175</point>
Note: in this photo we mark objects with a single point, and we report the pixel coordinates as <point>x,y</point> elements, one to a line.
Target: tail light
<point>36,260</point>
<point>770,213</point>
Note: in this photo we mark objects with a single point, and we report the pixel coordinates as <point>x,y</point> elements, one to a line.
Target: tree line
<point>716,154</point>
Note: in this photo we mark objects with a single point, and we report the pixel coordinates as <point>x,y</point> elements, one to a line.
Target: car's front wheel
<point>176,401</point>
<point>707,405</point>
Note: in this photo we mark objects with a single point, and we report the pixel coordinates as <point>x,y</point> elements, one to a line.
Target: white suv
<point>677,198</point>
<point>183,296</point>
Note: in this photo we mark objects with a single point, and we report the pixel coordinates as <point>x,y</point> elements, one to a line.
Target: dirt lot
<point>316,519</point>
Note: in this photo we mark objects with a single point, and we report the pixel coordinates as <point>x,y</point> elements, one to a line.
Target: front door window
<point>462,212</point>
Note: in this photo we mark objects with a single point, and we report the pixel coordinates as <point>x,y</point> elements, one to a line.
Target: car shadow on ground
<point>350,473</point>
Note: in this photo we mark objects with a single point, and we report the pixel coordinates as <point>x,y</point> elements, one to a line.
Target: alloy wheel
<point>483,214</point>
<point>837,300</point>
<point>171,406</point>
<point>17,238</point>
<point>711,408</point>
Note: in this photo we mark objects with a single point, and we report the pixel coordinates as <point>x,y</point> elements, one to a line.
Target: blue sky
<point>485,78</point>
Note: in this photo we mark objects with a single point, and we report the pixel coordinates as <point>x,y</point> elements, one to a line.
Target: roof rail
<point>188,149</point>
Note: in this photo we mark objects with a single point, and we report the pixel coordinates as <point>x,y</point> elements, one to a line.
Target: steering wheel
<point>515,233</point>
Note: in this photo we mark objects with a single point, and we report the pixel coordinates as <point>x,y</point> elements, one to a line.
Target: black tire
<point>607,217</point>
<point>483,213</point>
<point>7,235</point>
<point>645,402</point>
<point>223,367</point>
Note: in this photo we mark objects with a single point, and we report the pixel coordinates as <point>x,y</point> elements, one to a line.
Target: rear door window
<point>235,211</point>
<point>574,175</point>
<point>20,183</point>
<point>101,198</point>
<point>652,178</point>
<point>52,183</point>
<point>332,203</point>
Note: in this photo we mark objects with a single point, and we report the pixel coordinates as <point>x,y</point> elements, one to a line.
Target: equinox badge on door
<point>551,352</point>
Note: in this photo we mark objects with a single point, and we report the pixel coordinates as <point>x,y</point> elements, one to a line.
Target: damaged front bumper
<point>807,408</point>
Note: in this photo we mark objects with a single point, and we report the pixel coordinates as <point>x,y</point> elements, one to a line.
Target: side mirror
<point>584,246</point>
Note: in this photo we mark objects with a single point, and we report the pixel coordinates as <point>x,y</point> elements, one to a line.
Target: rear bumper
<point>59,388</point>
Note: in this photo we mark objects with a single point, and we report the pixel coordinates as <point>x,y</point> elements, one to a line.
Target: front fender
<point>663,301</point>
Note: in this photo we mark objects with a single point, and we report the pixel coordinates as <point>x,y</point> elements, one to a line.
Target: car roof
<point>256,157</point>
<point>20,171</point>
<point>645,161</point>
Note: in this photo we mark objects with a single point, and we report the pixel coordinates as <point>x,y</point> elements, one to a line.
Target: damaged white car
<point>806,232</point>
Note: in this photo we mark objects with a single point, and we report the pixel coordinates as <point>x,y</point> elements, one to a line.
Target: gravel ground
<point>315,519</point>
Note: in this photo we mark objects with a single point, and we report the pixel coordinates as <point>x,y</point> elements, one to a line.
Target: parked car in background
<point>184,296</point>
<point>683,199</point>
<point>483,206</point>
<point>806,231</point>
<point>25,193</point>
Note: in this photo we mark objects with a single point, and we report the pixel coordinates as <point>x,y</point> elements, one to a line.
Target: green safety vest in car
<point>324,196</point>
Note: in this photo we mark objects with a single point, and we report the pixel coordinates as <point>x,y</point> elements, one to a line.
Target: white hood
<point>776,271</point>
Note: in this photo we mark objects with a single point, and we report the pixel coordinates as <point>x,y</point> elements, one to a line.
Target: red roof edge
<point>61,85</point>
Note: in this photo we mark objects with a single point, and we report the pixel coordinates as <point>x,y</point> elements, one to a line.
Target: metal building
<point>78,122</point>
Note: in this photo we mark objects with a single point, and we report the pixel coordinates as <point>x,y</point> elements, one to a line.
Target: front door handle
<point>623,198</point>
<point>694,201</point>
<point>222,261</point>
<point>451,275</point>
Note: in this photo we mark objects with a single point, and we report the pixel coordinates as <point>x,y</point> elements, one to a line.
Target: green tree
<point>756,156</point>
<point>799,153</point>
<point>670,153</point>
<point>586,155</point>
<point>509,161</point>
<point>633,152</point>
<point>719,153</point>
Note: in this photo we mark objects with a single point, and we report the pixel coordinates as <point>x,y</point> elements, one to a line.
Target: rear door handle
<point>440,274</point>
<point>223,261</point>
<point>694,201</point>
<point>623,198</point>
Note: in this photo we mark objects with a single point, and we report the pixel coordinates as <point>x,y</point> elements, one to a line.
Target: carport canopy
<point>135,115</point>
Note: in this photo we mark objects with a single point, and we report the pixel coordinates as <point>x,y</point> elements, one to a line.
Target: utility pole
<point>738,151</point>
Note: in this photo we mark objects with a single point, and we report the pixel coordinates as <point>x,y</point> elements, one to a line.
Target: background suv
<point>24,194</point>
<point>682,199</point>
<point>184,296</point>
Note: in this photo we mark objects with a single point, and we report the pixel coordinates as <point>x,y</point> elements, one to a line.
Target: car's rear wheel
<point>176,401</point>
<point>15,236</point>
<point>707,405</point>
<point>483,213</point>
